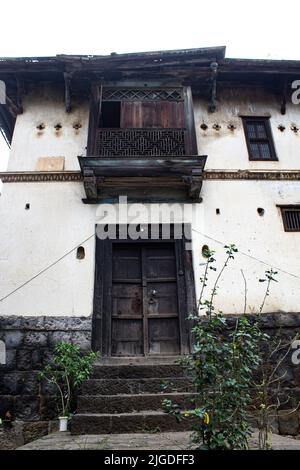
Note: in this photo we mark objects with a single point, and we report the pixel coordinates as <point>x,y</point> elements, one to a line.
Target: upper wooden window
<point>141,121</point>
<point>259,138</point>
<point>291,218</point>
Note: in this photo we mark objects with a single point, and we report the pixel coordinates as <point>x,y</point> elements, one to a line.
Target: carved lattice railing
<point>140,142</point>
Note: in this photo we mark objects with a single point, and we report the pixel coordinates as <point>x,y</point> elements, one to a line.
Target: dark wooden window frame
<point>269,139</point>
<point>95,111</point>
<point>284,209</point>
<point>101,327</point>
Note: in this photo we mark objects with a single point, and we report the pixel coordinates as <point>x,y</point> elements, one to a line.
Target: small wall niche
<point>80,254</point>
<point>260,211</point>
<point>205,251</point>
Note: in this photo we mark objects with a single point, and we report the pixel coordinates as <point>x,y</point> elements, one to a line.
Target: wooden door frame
<point>101,324</point>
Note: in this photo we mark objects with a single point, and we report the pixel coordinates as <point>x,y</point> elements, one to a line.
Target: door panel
<point>160,262</point>
<point>127,300</point>
<point>127,337</point>
<point>145,313</point>
<point>163,336</point>
<point>126,262</point>
<point>162,298</point>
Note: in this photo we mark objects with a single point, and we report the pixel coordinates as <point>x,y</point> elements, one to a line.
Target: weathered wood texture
<point>146,173</point>
<point>141,297</point>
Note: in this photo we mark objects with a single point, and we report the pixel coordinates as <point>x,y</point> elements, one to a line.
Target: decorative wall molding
<point>39,176</point>
<point>268,175</point>
<point>66,176</point>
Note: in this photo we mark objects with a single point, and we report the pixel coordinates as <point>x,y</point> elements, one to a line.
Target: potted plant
<point>67,372</point>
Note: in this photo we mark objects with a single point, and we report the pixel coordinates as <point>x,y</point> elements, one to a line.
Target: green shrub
<point>67,372</point>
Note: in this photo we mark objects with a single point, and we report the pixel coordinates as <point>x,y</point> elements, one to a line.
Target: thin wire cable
<point>249,256</point>
<point>46,269</point>
<point>91,236</point>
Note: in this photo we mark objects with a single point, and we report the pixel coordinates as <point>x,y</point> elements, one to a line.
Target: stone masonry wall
<point>29,345</point>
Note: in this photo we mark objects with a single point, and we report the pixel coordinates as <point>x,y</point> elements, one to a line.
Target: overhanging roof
<point>200,67</point>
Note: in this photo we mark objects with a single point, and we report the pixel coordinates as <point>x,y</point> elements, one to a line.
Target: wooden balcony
<point>142,178</point>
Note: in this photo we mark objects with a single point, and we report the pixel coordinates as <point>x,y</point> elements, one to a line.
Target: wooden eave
<point>155,179</point>
<point>76,73</point>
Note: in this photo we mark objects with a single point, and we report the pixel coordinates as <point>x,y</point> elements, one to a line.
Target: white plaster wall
<point>58,221</point>
<point>260,237</point>
<point>33,239</point>
<point>46,105</point>
<point>30,240</point>
<point>227,149</point>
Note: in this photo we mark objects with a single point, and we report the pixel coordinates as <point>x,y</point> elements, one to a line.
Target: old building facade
<point>175,132</point>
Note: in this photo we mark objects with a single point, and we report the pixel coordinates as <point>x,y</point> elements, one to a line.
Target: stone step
<point>130,403</point>
<point>136,371</point>
<point>148,422</point>
<point>138,360</point>
<point>136,386</point>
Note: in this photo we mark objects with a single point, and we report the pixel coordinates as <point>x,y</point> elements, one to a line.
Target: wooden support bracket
<point>90,183</point>
<point>68,78</point>
<point>194,187</point>
<point>214,73</point>
<point>284,95</point>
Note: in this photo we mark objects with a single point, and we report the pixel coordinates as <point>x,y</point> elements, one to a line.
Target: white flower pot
<point>63,423</point>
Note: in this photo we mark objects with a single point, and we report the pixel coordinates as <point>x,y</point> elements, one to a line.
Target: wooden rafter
<point>68,78</point>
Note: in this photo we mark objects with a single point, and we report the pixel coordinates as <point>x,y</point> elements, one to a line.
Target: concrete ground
<point>143,441</point>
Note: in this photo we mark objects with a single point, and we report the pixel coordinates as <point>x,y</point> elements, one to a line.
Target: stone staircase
<point>127,398</point>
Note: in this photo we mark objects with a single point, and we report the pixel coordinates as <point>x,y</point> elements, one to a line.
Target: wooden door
<point>144,300</point>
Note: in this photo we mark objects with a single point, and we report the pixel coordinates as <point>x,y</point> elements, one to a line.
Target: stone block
<point>35,339</point>
<point>6,404</point>
<point>59,336</point>
<point>49,406</point>
<point>254,422</point>
<point>91,424</point>
<point>9,383</point>
<point>268,321</point>
<point>296,375</point>
<point>34,430</point>
<point>10,322</point>
<point>47,357</point>
<point>53,426</point>
<point>10,358</point>
<point>28,359</point>
<point>12,438</point>
<point>28,383</point>
<point>288,421</point>
<point>287,320</point>
<point>13,339</point>
<point>50,164</point>
<point>27,407</point>
<point>33,323</point>
<point>83,339</point>
<point>59,323</point>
